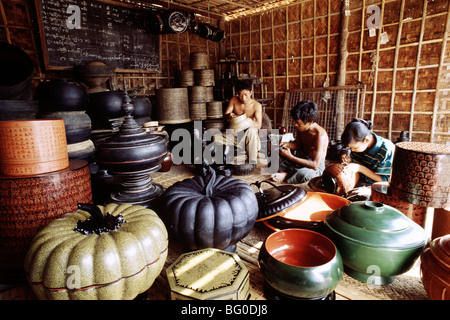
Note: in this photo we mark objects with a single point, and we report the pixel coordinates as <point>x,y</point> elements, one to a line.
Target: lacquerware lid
<point>375,224</point>
<point>273,201</point>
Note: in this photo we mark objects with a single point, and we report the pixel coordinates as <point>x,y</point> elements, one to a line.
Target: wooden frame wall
<point>408,87</point>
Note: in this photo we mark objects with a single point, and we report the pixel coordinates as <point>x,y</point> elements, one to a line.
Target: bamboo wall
<point>407,79</point>
<point>297,46</point>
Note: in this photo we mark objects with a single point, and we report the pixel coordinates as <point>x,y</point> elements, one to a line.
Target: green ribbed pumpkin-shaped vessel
<point>97,253</point>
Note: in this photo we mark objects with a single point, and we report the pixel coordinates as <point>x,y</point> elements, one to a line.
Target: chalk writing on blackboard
<point>77,32</point>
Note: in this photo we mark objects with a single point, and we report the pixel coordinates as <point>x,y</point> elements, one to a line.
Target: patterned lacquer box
<point>208,274</point>
<point>421,174</point>
<point>30,147</point>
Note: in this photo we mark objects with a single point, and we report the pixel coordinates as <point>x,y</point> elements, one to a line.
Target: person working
<point>241,104</point>
<point>303,159</point>
<point>371,154</point>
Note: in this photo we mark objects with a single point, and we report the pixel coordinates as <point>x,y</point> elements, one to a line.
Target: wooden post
<point>343,54</point>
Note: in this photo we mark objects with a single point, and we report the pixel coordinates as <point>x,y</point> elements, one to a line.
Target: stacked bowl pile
<point>200,81</point>
<point>60,99</point>
<point>16,95</point>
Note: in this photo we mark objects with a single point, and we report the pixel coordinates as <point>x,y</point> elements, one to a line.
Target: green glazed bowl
<point>300,264</point>
<point>377,242</point>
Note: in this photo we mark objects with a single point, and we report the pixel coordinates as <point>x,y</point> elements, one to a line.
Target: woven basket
<point>199,60</point>
<point>214,110</point>
<point>186,78</point>
<point>172,105</point>
<point>204,77</point>
<point>197,111</point>
<point>198,94</point>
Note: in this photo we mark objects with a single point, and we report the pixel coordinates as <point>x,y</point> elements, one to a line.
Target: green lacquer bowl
<point>300,264</point>
<point>377,242</point>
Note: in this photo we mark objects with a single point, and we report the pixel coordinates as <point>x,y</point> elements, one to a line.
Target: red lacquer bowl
<point>435,268</point>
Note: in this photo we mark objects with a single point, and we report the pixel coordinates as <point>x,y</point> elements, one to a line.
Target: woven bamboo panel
<point>434,28</point>
<point>307,82</point>
<point>321,26</point>
<point>294,13</point>
<point>385,82</point>
<point>294,67</point>
<point>387,59</point>
<point>254,22</point>
<point>407,56</point>
<point>321,65</point>
<point>266,35</point>
<point>335,5</point>
<point>404,80</point>
<point>321,46</point>
<point>422,123</point>
<point>427,78</point>
<point>334,45</point>
<point>254,37</point>
<point>369,43</point>
<point>410,32</point>
<point>281,84</point>
<point>308,65</point>
<point>401,122</point>
<point>294,32</point>
<point>294,82</point>
<point>279,33</point>
<point>402,102</point>
<point>234,26</point>
<point>279,16</point>
<point>383,101</point>
<point>266,20</point>
<point>425,101</point>
<point>267,51</point>
<point>245,39</point>
<point>392,32</point>
<point>381,122</point>
<point>293,49</point>
<point>308,48</point>
<point>391,12</point>
<point>354,22</point>
<point>255,55</point>
<point>308,10</point>
<point>353,42</point>
<point>307,28</point>
<point>245,23</point>
<point>352,63</point>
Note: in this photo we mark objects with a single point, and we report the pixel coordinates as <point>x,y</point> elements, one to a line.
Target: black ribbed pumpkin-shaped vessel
<point>214,211</point>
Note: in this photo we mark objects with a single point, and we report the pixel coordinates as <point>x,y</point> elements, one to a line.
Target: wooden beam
<point>394,71</point>
<point>340,100</point>
<point>416,73</point>
<point>377,52</point>
<point>438,83</point>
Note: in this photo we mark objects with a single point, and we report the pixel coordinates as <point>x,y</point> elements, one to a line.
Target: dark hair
<point>306,111</point>
<point>356,130</point>
<point>244,85</point>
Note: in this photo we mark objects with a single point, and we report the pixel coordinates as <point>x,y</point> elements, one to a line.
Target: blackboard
<point>76,32</point>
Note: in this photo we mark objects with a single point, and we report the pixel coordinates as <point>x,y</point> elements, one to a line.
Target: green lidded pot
<point>377,242</point>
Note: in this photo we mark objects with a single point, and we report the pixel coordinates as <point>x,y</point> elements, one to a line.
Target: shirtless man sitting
<point>310,146</point>
<point>243,103</point>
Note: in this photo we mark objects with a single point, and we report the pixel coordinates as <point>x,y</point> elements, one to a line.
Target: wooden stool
<point>208,274</point>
